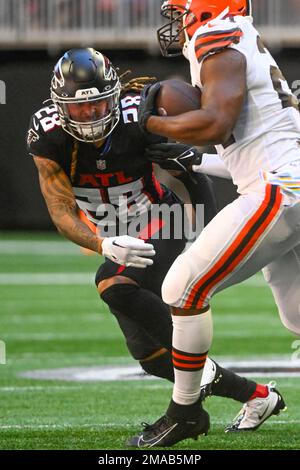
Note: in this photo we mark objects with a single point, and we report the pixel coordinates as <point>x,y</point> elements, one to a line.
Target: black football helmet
<point>86,89</point>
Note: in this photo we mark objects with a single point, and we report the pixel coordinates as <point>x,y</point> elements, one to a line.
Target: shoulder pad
<point>46,118</point>
<point>45,132</point>
<point>129,104</point>
<point>215,36</point>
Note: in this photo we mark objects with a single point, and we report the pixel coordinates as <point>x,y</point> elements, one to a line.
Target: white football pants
<point>253,232</point>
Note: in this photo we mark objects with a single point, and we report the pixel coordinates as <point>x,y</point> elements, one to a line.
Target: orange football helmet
<point>185,16</point>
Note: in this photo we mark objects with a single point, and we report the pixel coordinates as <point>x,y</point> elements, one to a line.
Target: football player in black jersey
<point>90,154</point>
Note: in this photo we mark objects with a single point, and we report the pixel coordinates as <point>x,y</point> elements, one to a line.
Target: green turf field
<point>51,317</point>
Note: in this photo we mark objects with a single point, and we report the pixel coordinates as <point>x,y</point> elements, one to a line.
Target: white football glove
<point>128,251</point>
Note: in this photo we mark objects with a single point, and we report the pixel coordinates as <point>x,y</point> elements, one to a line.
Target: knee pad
<point>176,282</point>
<point>181,280</point>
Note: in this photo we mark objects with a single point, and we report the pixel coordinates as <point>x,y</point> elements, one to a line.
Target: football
<point>177,97</point>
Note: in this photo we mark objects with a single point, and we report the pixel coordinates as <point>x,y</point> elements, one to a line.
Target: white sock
<point>192,337</point>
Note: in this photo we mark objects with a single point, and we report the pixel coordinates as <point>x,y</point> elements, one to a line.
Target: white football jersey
<point>267,133</point>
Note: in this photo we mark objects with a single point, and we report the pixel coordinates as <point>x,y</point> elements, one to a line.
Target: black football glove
<point>177,157</point>
<point>147,106</point>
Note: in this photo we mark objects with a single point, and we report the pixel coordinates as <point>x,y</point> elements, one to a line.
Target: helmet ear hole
<point>206,15</point>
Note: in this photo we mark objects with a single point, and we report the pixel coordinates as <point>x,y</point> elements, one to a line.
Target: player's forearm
<point>59,197</point>
<point>70,226</point>
<point>195,127</point>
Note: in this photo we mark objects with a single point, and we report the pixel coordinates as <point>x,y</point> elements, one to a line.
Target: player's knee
<point>118,293</point>
<point>104,282</point>
<point>181,279</point>
<point>169,292</point>
<point>175,282</point>
<point>103,279</point>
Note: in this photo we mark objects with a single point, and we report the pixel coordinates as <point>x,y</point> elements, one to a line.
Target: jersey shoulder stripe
<point>214,41</point>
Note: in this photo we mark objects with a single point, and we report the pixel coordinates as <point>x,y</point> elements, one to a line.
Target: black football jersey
<point>110,183</point>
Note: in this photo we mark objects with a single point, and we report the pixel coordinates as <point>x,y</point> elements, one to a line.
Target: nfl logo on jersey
<point>101,164</point>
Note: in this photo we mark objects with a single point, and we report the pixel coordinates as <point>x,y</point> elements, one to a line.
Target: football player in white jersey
<point>249,113</point>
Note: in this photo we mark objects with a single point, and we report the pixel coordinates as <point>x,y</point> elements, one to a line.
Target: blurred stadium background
<point>50,315</point>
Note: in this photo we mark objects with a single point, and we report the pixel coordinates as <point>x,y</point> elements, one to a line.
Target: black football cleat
<point>167,431</point>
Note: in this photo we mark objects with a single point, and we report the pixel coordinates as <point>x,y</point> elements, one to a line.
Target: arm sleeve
<point>212,165</point>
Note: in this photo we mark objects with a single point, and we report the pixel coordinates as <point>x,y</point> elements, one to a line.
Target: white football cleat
<point>255,412</point>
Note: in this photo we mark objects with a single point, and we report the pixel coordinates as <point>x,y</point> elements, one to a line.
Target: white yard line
<point>62,426</point>
<point>138,385</point>
<point>32,336</point>
<point>47,279</point>
<point>50,388</point>
<point>49,319</point>
<point>38,247</point>
<point>69,278</point>
<point>128,372</point>
<point>57,336</point>
<point>271,375</point>
<point>39,388</point>
<point>6,427</point>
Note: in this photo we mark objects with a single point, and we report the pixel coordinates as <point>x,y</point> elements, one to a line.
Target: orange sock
<point>261,391</point>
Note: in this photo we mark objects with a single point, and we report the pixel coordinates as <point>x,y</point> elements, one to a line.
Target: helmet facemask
<point>170,34</point>
<point>90,116</point>
<point>186,16</point>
